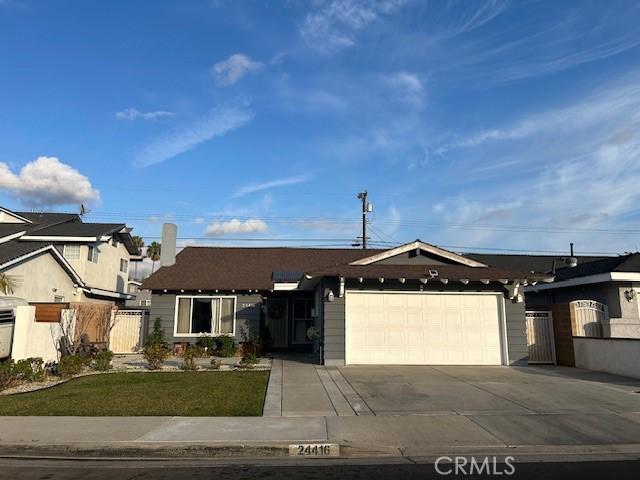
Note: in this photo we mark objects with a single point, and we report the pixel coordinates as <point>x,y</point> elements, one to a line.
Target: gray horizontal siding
<point>248,312</point>
<point>334,322</point>
<point>516,333</point>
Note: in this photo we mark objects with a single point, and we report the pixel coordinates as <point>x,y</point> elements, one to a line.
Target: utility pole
<point>366,208</point>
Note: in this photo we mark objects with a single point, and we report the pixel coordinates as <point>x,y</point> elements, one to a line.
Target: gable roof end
<point>426,247</point>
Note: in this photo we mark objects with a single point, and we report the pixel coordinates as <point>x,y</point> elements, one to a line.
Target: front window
<point>210,315</point>
<point>124,265</point>
<point>71,252</point>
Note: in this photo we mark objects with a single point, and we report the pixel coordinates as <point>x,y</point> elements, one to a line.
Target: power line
<point>204,218</point>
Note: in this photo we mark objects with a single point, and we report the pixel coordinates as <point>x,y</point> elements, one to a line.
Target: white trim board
<point>598,278</point>
<point>15,215</point>
<point>56,238</point>
<point>13,236</point>
<point>418,245</point>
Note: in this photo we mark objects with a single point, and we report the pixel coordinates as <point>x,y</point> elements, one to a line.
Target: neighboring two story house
<point>56,257</point>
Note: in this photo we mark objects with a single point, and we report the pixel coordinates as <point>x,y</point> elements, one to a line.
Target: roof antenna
<point>83,210</point>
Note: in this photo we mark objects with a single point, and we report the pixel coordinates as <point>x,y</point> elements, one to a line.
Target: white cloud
<point>229,71</point>
<point>134,113</point>
<point>282,182</point>
<point>216,124</point>
<point>407,87</point>
<point>579,167</point>
<point>335,25</point>
<point>48,182</point>
<point>235,226</point>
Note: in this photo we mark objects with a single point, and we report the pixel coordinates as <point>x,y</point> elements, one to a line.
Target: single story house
<point>415,304</point>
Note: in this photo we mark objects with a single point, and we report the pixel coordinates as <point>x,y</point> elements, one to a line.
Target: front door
<point>277,320</point>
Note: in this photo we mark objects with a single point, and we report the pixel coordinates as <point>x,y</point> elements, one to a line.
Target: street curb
<point>147,451</point>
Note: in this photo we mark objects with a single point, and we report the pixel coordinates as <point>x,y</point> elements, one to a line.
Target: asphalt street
<point>344,469</point>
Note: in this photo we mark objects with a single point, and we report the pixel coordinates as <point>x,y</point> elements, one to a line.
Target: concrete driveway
<point>391,390</point>
<point>416,408</point>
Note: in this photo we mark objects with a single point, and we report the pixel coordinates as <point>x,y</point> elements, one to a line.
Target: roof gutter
<point>589,279</point>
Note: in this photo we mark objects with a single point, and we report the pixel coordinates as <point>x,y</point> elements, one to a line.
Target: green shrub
<point>249,360</point>
<point>29,370</point>
<point>225,346</point>
<point>71,365</point>
<point>103,360</point>
<point>207,342</point>
<point>155,355</point>
<point>7,374</point>
<point>215,364</point>
<point>189,357</point>
<point>156,349</point>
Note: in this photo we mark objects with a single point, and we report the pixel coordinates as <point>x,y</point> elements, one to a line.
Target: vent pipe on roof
<point>168,250</point>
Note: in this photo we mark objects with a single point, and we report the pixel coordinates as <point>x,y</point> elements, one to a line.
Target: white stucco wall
<point>38,276</point>
<point>34,339</point>
<point>613,355</point>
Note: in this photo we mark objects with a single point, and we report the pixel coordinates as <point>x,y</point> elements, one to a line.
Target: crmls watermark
<point>475,466</point>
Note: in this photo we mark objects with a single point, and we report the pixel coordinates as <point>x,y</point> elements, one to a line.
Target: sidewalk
<point>409,435</point>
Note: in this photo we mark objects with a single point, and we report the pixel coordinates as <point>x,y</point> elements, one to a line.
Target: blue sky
<point>491,124</point>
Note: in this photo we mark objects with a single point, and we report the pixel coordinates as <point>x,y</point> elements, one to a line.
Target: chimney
<point>168,250</point>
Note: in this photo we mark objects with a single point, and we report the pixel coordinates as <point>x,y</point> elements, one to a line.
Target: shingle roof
<point>228,268</point>
<point>77,229</point>
<point>623,263</point>
<point>15,249</point>
<point>45,218</point>
<point>225,268</point>
<point>7,229</point>
<point>537,263</point>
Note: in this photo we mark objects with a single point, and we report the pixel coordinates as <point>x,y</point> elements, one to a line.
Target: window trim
<point>95,254</point>
<point>67,245</point>
<point>197,335</point>
<point>126,265</point>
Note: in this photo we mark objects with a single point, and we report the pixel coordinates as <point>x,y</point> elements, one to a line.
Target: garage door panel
<point>419,329</point>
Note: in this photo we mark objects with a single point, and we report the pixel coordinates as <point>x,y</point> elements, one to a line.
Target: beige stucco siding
<point>106,273</point>
<point>38,276</point>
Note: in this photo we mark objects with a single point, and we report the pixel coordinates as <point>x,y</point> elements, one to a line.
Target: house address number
<point>314,450</point>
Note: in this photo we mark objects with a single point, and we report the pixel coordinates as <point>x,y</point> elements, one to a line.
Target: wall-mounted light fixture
<point>629,294</point>
<point>331,296</point>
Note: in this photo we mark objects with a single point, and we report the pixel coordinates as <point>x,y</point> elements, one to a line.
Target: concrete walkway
<point>298,388</point>
<point>367,434</point>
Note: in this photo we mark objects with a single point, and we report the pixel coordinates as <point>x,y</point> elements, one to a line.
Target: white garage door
<point>422,329</point>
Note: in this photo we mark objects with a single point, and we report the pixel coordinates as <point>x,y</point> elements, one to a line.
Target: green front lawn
<point>206,394</point>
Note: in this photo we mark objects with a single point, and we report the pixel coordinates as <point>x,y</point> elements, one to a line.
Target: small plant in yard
<point>102,360</point>
<point>225,346</point>
<point>249,360</point>
<point>215,364</point>
<point>71,365</point>
<point>189,357</point>
<point>156,349</point>
<point>29,370</point>
<point>207,342</point>
<point>7,374</point>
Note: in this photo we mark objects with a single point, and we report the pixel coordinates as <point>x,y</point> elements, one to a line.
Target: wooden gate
<point>587,318</point>
<point>126,334</point>
<point>540,339</point>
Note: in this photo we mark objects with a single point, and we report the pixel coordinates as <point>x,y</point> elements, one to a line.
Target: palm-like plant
<point>153,254</point>
<point>138,242</point>
<point>7,284</point>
